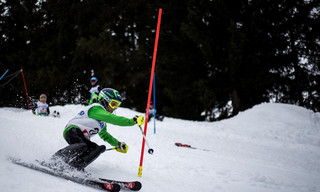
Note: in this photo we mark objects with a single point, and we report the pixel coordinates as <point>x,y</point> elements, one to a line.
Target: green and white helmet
<point>111,97</point>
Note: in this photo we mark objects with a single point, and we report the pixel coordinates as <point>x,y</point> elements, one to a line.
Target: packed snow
<point>268,148</point>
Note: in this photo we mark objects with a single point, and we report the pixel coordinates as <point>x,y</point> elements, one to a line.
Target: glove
<point>139,120</point>
<point>122,147</point>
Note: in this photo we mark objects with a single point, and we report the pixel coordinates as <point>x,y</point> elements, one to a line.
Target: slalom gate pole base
<point>140,171</point>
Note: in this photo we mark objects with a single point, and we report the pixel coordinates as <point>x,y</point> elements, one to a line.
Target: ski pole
<point>113,148</point>
<point>150,151</point>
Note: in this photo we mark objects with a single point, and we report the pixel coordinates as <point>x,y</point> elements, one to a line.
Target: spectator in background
<point>41,107</point>
<point>151,113</point>
<point>94,91</point>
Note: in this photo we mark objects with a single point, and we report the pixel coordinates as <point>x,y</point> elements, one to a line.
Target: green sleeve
<point>107,137</point>
<point>99,113</point>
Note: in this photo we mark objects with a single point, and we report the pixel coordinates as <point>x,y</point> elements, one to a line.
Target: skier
<point>41,108</point>
<point>94,91</point>
<point>89,122</point>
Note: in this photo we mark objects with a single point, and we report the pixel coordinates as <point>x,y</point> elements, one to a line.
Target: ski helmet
<point>93,80</point>
<point>111,97</point>
<point>43,96</point>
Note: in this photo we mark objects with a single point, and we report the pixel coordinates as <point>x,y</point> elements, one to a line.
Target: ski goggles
<point>43,97</point>
<point>114,104</point>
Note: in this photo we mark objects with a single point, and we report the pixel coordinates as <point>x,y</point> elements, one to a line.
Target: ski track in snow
<point>269,148</point>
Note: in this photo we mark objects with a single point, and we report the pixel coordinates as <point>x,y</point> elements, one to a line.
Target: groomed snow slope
<point>269,148</point>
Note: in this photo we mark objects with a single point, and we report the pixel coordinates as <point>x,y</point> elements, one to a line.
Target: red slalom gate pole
<point>25,87</point>
<point>150,90</point>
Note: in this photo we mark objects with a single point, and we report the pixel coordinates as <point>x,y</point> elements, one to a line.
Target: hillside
<point>269,148</point>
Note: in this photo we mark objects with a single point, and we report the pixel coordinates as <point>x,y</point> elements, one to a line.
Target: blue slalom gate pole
<point>4,74</point>
<point>154,103</point>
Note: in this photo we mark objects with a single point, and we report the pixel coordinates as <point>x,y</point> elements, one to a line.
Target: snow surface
<point>269,148</point>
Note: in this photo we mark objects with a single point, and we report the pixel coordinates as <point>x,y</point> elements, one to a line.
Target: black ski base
<point>102,184</point>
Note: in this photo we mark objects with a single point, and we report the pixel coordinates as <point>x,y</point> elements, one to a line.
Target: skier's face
<point>110,109</point>
<point>43,99</point>
<point>93,82</point>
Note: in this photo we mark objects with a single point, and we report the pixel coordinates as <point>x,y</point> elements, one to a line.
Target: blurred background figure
<point>151,113</point>
<point>41,107</point>
<point>94,91</point>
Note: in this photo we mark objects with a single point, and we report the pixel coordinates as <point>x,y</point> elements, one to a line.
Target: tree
<point>215,58</point>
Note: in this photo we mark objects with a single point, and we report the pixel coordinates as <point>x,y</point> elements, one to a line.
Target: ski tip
<point>137,186</point>
<point>127,185</point>
<point>133,186</point>
<point>112,187</point>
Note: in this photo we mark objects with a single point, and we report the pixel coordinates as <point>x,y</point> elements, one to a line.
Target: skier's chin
<point>110,109</point>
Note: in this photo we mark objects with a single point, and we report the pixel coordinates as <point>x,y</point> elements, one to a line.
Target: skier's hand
<point>122,147</point>
<point>139,120</point>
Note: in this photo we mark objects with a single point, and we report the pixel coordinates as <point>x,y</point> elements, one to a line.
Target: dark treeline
<point>215,57</point>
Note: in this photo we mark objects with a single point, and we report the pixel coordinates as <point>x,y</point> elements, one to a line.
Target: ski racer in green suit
<point>89,122</point>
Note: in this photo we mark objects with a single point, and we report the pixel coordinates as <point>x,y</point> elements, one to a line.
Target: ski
<point>189,146</point>
<point>129,185</point>
<point>184,145</point>
<point>102,185</point>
